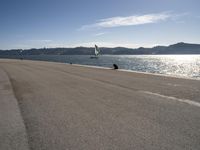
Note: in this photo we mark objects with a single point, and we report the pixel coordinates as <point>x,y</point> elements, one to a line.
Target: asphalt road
<point>68,107</point>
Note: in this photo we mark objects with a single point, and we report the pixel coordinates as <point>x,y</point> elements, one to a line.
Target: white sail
<point>97,51</point>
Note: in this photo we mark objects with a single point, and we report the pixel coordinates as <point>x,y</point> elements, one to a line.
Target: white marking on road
<point>171,84</point>
<point>190,102</point>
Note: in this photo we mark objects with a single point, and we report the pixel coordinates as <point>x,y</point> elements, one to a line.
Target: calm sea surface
<point>173,65</point>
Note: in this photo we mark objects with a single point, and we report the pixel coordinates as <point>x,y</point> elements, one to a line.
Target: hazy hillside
<point>179,48</point>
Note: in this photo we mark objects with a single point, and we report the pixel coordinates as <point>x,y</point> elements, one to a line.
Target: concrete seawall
<point>12,129</point>
<point>79,108</point>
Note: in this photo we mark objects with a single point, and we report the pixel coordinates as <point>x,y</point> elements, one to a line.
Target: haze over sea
<point>187,66</point>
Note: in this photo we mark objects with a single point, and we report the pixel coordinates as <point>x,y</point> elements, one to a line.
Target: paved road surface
<point>68,107</point>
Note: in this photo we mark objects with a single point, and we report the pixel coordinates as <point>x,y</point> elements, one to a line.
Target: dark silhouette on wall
<point>115,66</point>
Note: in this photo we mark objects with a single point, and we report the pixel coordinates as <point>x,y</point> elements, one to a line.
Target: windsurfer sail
<point>96,52</point>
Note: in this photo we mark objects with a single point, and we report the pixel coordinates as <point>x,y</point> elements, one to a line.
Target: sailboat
<point>96,52</point>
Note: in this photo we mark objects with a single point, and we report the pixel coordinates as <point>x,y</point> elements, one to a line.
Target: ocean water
<point>173,65</point>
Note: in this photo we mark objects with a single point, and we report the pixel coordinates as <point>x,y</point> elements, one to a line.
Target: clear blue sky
<point>69,23</point>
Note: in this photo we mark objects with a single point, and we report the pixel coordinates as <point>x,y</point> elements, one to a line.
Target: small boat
<point>96,52</point>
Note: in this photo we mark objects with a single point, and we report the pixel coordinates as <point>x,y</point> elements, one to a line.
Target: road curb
<point>13,134</point>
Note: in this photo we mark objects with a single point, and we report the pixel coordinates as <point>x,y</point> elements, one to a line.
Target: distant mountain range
<point>179,48</point>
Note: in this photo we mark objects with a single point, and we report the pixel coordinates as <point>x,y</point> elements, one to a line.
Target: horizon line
<point>98,46</point>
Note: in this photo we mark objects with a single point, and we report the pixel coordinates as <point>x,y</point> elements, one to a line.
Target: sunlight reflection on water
<point>175,65</point>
